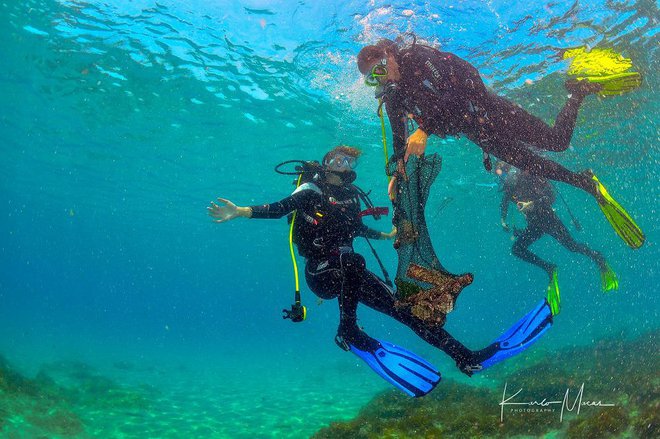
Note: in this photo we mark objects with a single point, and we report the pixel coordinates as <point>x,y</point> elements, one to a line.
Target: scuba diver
<point>445,96</point>
<point>326,219</point>
<point>534,197</point>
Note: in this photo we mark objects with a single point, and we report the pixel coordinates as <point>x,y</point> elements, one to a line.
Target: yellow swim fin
<point>608,279</point>
<point>553,294</point>
<point>621,222</point>
<point>605,67</point>
<point>616,84</point>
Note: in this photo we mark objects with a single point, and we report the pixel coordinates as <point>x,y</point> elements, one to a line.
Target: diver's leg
<point>517,154</point>
<point>378,296</point>
<point>558,230</point>
<point>347,285</point>
<point>329,279</point>
<point>511,121</point>
<point>520,247</point>
<point>324,277</point>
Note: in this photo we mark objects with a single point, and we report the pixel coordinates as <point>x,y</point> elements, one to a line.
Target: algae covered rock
<point>607,423</point>
<point>58,400</point>
<point>621,376</point>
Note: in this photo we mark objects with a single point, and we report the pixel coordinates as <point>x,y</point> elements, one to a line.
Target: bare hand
<point>390,235</point>
<point>400,173</point>
<point>525,206</point>
<point>505,226</point>
<point>391,188</point>
<point>224,212</point>
<point>416,144</point>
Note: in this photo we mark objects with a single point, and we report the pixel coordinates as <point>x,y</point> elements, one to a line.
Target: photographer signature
<point>566,406</point>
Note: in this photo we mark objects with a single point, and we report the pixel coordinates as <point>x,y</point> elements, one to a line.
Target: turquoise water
<point>120,121</point>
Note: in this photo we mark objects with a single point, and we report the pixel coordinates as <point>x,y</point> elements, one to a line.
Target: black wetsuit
<point>446,96</point>
<point>541,220</point>
<point>328,219</point>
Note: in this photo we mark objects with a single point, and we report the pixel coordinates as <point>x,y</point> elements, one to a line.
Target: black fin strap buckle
<point>339,340</point>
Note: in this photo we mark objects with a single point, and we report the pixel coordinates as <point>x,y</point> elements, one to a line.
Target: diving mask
<point>377,71</point>
<point>341,163</point>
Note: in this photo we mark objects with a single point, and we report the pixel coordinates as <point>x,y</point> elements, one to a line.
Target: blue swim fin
<point>403,369</point>
<point>518,338</point>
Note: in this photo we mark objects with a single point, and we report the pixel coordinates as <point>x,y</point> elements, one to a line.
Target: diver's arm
<point>397,117</point>
<point>431,64</point>
<point>370,233</point>
<point>278,209</point>
<point>451,78</point>
<point>225,210</point>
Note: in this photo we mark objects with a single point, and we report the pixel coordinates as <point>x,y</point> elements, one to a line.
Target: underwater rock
<point>458,411</point>
<point>34,407</point>
<point>56,401</point>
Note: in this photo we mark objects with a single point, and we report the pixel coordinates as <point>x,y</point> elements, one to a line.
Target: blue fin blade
<point>522,335</point>
<point>421,373</point>
<point>401,368</point>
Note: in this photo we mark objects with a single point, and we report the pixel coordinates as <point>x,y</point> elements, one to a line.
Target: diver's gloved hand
<point>416,144</point>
